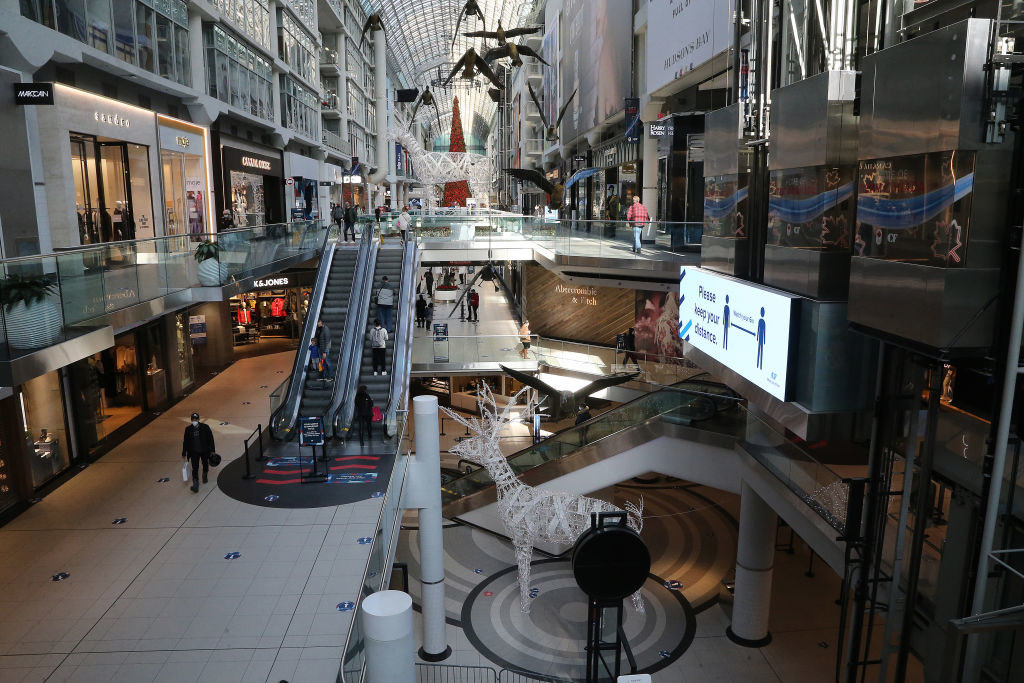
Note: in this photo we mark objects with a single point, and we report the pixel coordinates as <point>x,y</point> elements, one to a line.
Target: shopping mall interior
<point>477,341</point>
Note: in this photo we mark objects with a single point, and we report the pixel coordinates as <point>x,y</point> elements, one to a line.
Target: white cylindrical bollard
<point>755,557</point>
<point>427,480</point>
<point>388,641</point>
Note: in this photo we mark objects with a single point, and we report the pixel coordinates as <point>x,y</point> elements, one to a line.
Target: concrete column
<point>387,626</point>
<point>424,492</point>
<point>755,555</point>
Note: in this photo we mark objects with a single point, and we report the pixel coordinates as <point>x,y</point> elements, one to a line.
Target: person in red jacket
<point>474,305</point>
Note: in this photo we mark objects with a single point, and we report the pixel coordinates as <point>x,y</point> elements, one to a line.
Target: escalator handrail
<point>606,415</point>
<point>283,420</point>
<point>340,412</point>
<point>401,355</point>
<point>342,371</point>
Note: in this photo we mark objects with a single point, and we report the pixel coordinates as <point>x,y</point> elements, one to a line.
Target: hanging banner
<point>197,329</point>
<point>684,34</point>
<point>633,126</point>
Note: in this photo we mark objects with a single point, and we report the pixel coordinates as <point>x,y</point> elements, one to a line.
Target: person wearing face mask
<point>197,447</point>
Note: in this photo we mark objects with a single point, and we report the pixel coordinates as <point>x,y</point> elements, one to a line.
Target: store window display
<point>107,391</point>
<point>183,353</point>
<point>248,206</point>
<point>42,408</point>
<point>113,197</point>
<point>272,313</point>
<point>7,495</point>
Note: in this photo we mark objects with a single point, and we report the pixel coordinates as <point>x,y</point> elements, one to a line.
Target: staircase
<point>316,394</point>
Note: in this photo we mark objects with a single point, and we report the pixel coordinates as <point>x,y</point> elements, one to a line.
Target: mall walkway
<point>154,598</point>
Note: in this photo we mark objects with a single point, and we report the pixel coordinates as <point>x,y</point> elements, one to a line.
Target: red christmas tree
<point>456,193</point>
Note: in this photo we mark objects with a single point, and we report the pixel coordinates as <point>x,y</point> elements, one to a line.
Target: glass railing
<point>600,238</point>
<point>607,360</point>
<point>49,299</point>
<point>480,348</point>
<point>708,406</point>
<point>382,552</point>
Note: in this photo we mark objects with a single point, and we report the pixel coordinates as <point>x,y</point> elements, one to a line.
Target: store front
<point>617,160</point>
<point>251,184</point>
<point>113,389</point>
<point>105,178</point>
<point>272,313</point>
<point>185,172</point>
<point>42,411</point>
<point>302,186</point>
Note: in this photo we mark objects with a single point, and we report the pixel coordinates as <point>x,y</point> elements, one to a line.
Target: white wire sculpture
<point>530,515</point>
<point>438,168</point>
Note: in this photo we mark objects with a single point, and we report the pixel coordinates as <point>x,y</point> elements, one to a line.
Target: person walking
<point>385,303</point>
<point>524,338</point>
<point>337,215</point>
<point>474,306</point>
<point>363,412</point>
<point>613,208</point>
<point>421,311</point>
<point>350,222</point>
<point>378,346</point>
<point>638,218</point>
<point>197,448</point>
<point>430,313</point>
<point>404,222</point>
<point>376,214</point>
<point>429,279</point>
<point>629,347</point>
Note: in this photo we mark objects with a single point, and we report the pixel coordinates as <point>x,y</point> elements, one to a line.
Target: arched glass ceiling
<point>419,37</point>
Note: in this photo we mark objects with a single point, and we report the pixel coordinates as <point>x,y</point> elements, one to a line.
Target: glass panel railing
<point>49,299</point>
<point>481,348</point>
<point>381,555</point>
<point>606,360</point>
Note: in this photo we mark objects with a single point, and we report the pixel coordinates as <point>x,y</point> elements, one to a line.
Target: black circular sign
<point>610,563</point>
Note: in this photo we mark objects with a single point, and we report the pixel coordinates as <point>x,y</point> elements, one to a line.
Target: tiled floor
<point>154,598</point>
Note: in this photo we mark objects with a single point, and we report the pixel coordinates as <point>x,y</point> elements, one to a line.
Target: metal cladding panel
<point>726,255</point>
<point>815,273</point>
<point>722,145</point>
<point>813,122</point>
<point>942,308</point>
<point>927,94</point>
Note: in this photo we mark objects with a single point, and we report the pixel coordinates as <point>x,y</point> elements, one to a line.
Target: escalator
<point>689,410</point>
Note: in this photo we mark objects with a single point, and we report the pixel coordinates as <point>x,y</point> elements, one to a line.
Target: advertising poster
<point>811,207</point>
<point>549,84</point>
<point>595,62</point>
<point>746,328</point>
<point>915,207</point>
<point>197,329</point>
<point>725,205</point>
<point>632,121</point>
<point>682,35</point>
<point>657,324</point>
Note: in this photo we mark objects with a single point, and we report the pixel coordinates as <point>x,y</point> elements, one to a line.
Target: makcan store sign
<point>749,329</point>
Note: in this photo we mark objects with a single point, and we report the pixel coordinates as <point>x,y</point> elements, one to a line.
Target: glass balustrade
<point>52,298</point>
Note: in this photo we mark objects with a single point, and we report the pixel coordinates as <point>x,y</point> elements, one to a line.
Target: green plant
<point>16,289</point>
<point>207,249</point>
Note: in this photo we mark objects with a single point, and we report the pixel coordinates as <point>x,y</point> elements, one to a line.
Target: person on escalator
<point>323,342</point>
<point>378,345</point>
<point>364,412</point>
<point>385,302</point>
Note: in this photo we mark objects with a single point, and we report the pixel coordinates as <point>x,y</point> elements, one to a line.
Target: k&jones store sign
<point>749,329</point>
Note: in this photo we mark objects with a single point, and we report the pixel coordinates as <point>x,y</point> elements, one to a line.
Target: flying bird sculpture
<point>472,64</point>
<point>426,98</point>
<point>551,130</point>
<point>502,36</point>
<point>471,8</point>
<point>560,404</point>
<point>514,52</point>
<point>554,191</point>
<point>372,24</point>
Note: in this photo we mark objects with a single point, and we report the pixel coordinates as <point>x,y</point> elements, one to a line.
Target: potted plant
<point>212,272</point>
<point>33,318</point>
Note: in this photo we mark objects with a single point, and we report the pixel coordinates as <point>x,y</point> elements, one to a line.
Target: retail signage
<point>111,119</point>
<point>270,283</point>
<point>33,93</point>
<point>661,128</point>
<point>682,35</point>
<point>197,329</point>
<point>244,160</point>
<point>633,125</point>
<point>311,431</point>
<point>253,162</point>
<point>747,328</point>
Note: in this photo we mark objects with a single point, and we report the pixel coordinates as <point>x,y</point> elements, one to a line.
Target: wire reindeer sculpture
<point>530,515</point>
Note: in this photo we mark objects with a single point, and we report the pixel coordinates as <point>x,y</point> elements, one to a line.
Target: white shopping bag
<point>186,473</point>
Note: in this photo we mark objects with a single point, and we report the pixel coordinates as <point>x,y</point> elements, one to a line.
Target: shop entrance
<point>111,188</point>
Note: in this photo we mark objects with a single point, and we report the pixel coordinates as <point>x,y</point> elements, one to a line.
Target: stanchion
<point>442,427</point>
<point>260,457</point>
<point>248,471</point>
<point>462,311</point>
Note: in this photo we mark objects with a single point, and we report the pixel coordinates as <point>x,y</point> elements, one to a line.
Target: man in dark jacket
<point>322,339</point>
<point>429,279</point>
<point>227,222</point>
<point>629,347</point>
<point>197,447</point>
<point>350,223</point>
<point>337,215</point>
<point>421,311</point>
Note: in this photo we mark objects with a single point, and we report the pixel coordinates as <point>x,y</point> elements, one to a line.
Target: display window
<point>725,205</point>
<point>248,206</point>
<point>269,313</point>
<point>252,186</point>
<point>42,410</point>
<point>113,196</point>
<point>184,165</point>
<point>183,353</point>
<point>107,391</point>
<point>811,207</point>
<point>8,497</point>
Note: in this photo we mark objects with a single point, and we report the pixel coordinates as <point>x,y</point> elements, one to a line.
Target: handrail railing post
<point>248,471</point>
<point>260,457</point>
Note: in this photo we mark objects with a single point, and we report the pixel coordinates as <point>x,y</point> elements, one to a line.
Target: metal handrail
<point>401,355</point>
<point>340,411</point>
<point>284,419</point>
